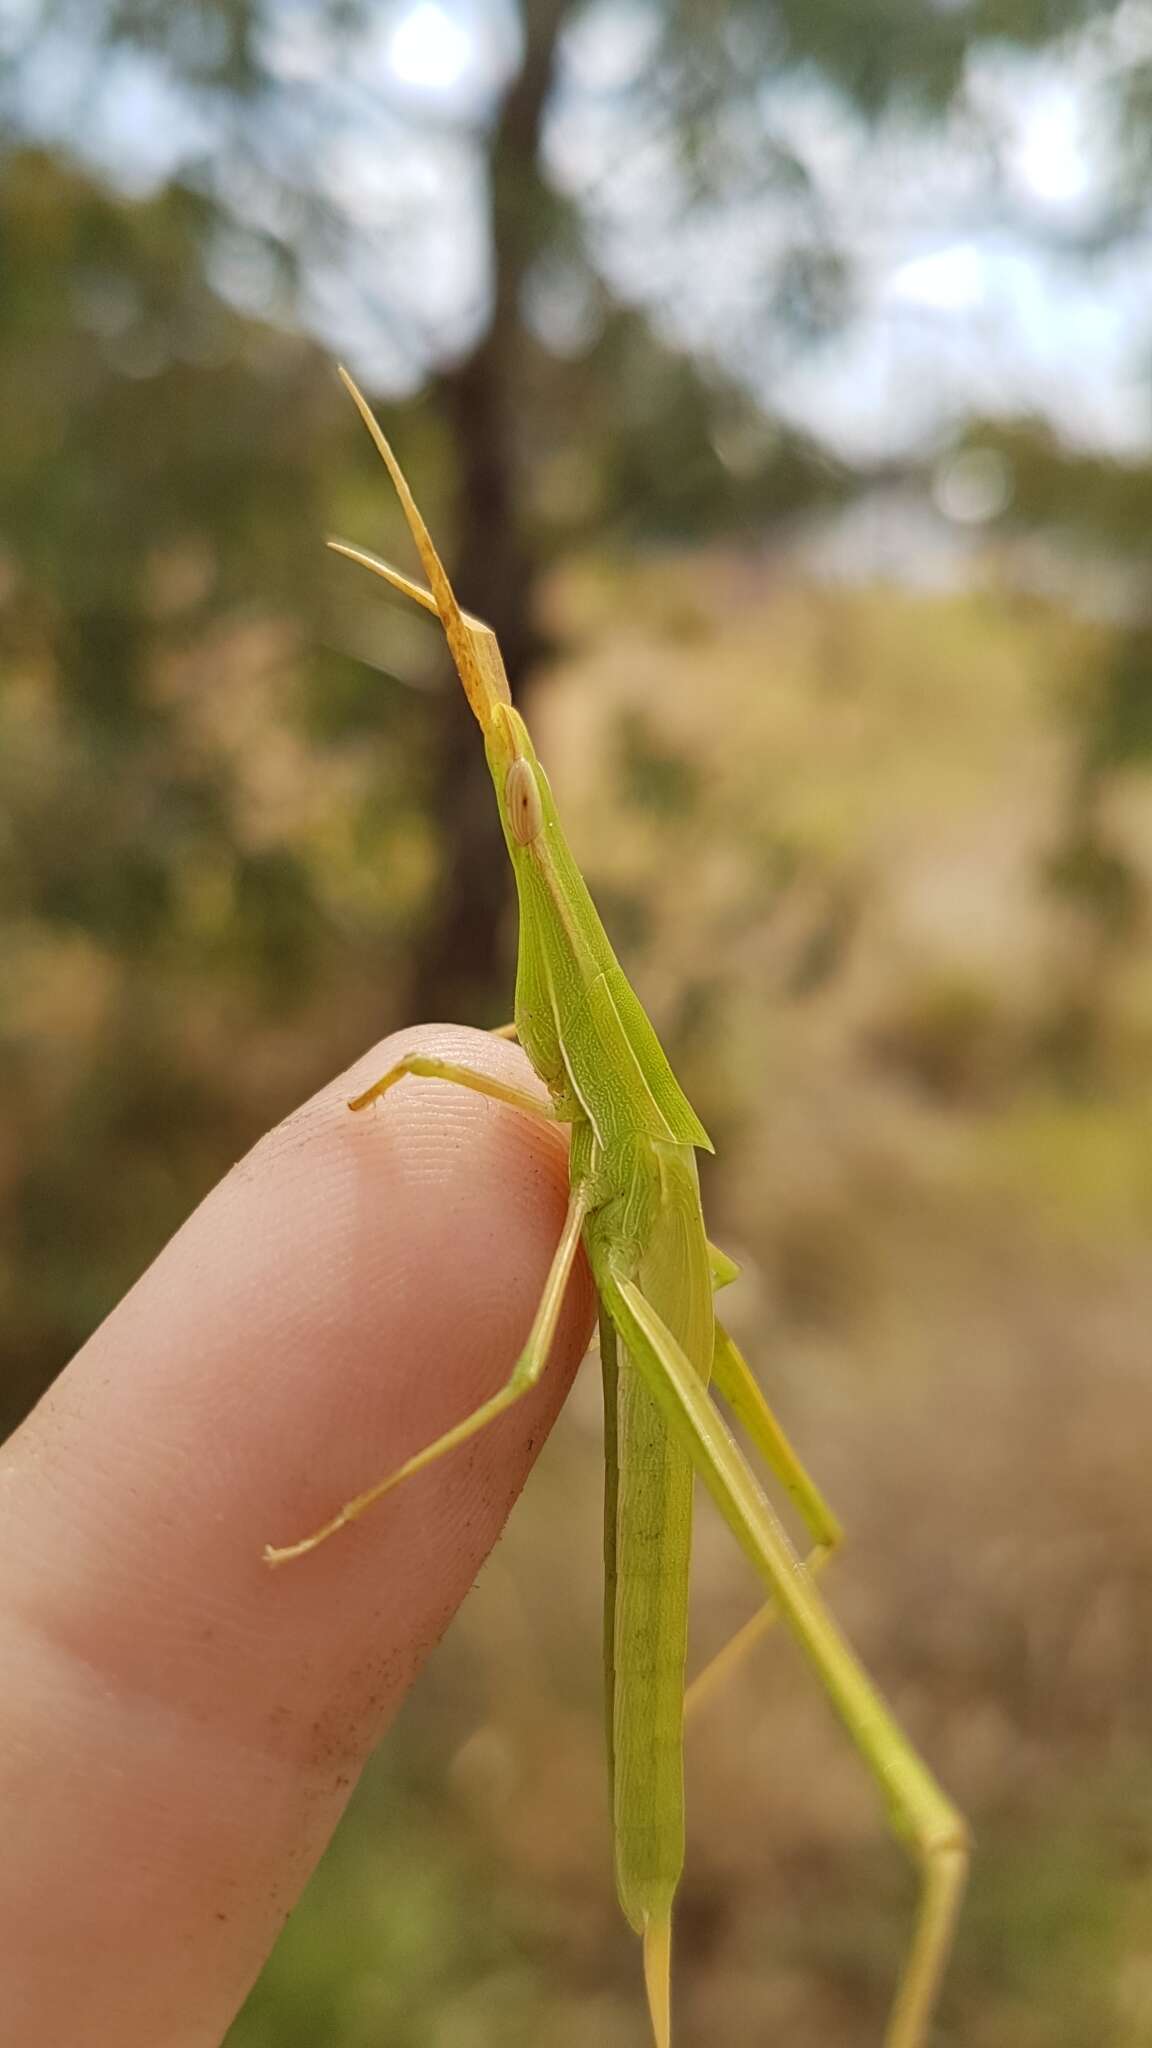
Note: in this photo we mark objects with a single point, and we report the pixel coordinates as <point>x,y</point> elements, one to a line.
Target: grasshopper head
<point>516,773</point>
<point>473,644</point>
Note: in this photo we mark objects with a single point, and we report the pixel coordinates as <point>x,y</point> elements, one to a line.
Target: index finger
<point>180,1727</point>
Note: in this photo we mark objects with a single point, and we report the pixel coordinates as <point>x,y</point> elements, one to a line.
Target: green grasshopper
<point>634,1204</point>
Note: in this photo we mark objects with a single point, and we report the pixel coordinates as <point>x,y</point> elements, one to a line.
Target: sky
<point>971,290</point>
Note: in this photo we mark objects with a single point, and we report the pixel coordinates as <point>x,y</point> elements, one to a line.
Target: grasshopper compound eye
<point>525,810</point>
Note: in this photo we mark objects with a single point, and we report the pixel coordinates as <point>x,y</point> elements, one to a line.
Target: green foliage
<point>179,875</point>
<point>1102,501</point>
<point>1120,733</point>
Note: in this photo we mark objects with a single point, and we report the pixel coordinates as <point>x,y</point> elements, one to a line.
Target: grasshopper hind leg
<point>922,1817</point>
<point>735,1381</point>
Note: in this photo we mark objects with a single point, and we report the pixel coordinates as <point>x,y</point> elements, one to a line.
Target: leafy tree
<point>165,469</point>
<point>702,99</point>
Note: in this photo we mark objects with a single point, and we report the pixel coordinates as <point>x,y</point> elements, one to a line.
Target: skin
<point>179,1730</point>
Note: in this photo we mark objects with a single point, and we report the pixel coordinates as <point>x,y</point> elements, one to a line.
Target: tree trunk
<point>458,955</point>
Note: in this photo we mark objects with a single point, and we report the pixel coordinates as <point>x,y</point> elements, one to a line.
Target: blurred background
<point>780,377</point>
